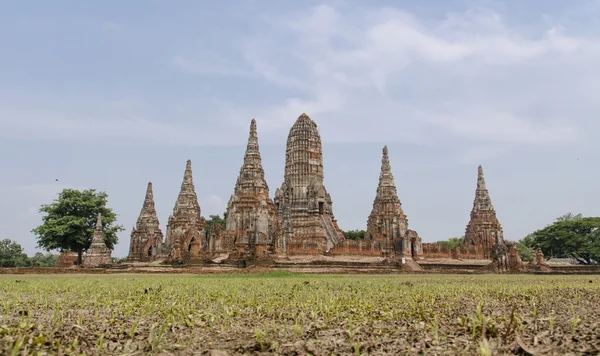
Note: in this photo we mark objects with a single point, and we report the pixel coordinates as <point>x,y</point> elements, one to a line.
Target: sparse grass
<point>284,313</point>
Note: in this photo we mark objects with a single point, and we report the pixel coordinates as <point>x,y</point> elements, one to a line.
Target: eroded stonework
<point>186,228</point>
<point>252,221</point>
<point>146,237</point>
<point>387,222</point>
<point>302,201</point>
<point>483,229</point>
<point>98,253</point>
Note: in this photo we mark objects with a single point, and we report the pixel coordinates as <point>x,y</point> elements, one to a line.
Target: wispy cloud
<point>364,74</point>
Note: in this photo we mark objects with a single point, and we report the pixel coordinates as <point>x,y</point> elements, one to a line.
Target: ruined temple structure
<point>186,228</point>
<point>505,259</point>
<point>98,253</point>
<point>252,223</point>
<point>66,259</point>
<point>146,241</point>
<point>387,222</point>
<point>302,201</point>
<point>484,229</point>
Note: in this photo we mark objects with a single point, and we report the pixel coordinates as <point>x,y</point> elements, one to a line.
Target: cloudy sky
<point>112,94</point>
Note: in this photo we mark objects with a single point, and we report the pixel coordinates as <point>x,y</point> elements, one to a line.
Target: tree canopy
<point>453,242</point>
<point>70,220</point>
<point>12,255</point>
<point>215,219</point>
<point>354,234</point>
<point>570,236</point>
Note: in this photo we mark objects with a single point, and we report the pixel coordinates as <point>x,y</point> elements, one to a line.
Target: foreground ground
<point>283,313</point>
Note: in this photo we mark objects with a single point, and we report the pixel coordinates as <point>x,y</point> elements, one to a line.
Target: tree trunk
<point>79,257</point>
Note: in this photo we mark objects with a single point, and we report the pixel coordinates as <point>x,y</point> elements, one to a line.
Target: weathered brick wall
<point>358,248</point>
<point>306,247</point>
<point>66,259</point>
<point>435,250</point>
<point>470,252</point>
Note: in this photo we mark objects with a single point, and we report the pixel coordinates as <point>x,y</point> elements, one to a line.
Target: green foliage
<point>354,234</point>
<point>70,220</point>
<point>41,260</point>
<point>213,220</point>
<point>274,313</point>
<point>453,242</point>
<point>11,254</point>
<point>570,236</point>
<point>569,217</point>
<point>119,259</point>
<point>524,251</point>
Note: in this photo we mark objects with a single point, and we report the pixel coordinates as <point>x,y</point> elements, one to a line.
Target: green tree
<point>213,220</point>
<point>453,242</point>
<point>41,260</point>
<point>569,217</point>
<point>11,254</point>
<point>70,220</point>
<point>574,236</point>
<point>524,250</point>
<point>354,234</point>
<point>117,260</point>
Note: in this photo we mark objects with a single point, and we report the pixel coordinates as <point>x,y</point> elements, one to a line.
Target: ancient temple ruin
<point>146,237</point>
<point>186,228</point>
<point>252,218</point>
<point>387,222</point>
<point>98,253</point>
<point>299,221</point>
<point>302,201</point>
<point>483,229</point>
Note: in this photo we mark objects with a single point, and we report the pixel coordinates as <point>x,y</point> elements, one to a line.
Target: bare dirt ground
<point>293,314</point>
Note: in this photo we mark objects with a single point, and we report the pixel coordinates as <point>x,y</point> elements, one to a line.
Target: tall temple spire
<point>251,215</point>
<point>186,227</point>
<point>252,174</point>
<point>482,201</point>
<point>302,200</point>
<point>252,147</point>
<point>99,222</point>
<point>386,178</point>
<point>146,234</point>
<point>148,213</point>
<point>304,153</point>
<point>483,228</point>
<point>387,222</point>
<point>480,178</point>
<point>187,205</point>
<point>98,236</point>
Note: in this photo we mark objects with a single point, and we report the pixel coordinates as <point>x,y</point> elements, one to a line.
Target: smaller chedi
<point>98,253</point>
<point>484,229</point>
<point>252,222</point>
<point>186,228</point>
<point>146,237</point>
<point>387,222</point>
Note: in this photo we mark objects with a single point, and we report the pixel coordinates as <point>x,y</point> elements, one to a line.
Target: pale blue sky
<point>113,94</point>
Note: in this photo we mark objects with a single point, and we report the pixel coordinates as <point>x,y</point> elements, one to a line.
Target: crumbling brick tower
<point>484,229</point>
<point>98,253</point>
<point>186,229</point>
<point>146,237</point>
<point>302,201</point>
<point>387,222</point>
<point>251,214</point>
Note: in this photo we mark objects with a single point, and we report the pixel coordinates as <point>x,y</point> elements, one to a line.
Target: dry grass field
<point>292,314</point>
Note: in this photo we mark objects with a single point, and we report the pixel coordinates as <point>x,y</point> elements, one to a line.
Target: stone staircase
<point>332,236</point>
